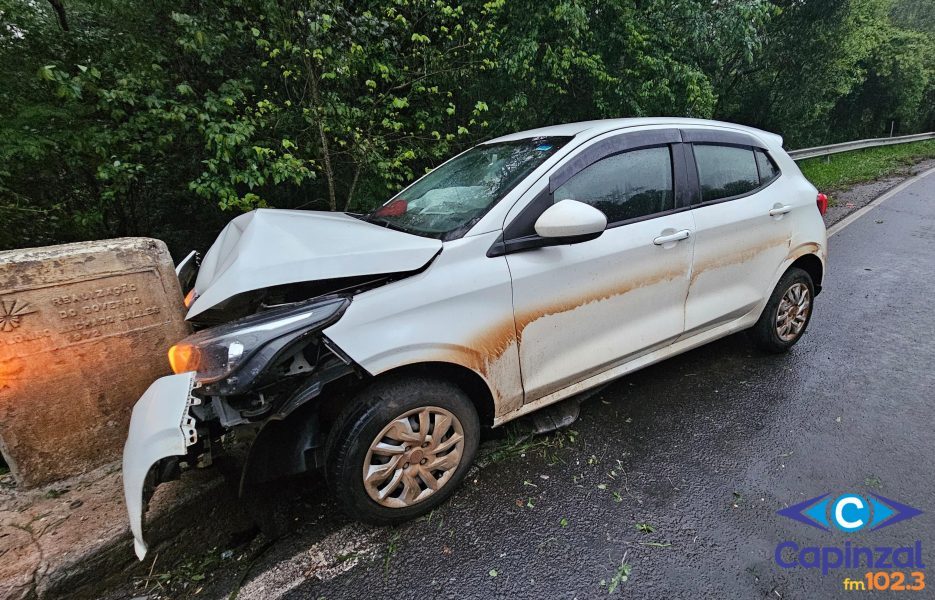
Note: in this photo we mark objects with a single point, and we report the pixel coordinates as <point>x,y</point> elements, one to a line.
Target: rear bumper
<point>160,427</point>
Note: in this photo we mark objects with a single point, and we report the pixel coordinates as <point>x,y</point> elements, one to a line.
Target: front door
<point>581,309</point>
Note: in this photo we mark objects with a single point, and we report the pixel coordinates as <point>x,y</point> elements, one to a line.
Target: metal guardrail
<point>858,145</point>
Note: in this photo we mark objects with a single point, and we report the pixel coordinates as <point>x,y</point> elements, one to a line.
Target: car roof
<point>593,128</point>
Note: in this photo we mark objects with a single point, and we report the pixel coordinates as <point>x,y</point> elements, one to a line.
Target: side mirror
<point>572,221</point>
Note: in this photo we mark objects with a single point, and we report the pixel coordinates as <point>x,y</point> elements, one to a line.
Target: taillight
<point>822,203</point>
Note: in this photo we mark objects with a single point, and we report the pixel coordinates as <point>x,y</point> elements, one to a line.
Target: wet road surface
<point>668,484</point>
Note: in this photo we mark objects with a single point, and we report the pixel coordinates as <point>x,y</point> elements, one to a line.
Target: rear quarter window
<point>768,169</point>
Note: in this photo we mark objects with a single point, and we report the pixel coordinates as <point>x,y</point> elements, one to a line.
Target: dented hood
<point>270,247</point>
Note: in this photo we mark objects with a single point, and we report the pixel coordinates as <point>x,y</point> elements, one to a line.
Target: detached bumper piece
<point>161,427</point>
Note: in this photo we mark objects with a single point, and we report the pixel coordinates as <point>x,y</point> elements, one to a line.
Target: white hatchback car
<point>521,272</point>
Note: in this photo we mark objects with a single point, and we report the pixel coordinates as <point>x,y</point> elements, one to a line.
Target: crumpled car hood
<point>269,247</point>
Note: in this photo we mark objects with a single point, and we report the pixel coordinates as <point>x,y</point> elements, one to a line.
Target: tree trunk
<point>329,173</point>
<point>59,7</point>
<point>350,191</point>
<point>326,152</point>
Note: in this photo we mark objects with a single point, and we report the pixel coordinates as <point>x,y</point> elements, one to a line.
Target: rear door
<point>581,309</point>
<point>742,228</point>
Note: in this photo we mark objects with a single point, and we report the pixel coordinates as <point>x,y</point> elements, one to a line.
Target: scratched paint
<point>524,318</point>
<point>809,248</point>
<point>485,353</point>
<point>494,356</point>
<point>491,353</point>
<point>718,260</point>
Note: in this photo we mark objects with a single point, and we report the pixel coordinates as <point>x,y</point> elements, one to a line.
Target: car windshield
<point>450,199</point>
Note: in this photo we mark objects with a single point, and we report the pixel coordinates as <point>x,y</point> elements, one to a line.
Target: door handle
<point>779,210</point>
<point>673,237</point>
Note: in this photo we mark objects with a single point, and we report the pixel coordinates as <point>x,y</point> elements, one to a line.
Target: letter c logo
<point>851,513</point>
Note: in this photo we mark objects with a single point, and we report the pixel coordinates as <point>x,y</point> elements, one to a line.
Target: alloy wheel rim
<point>793,312</point>
<point>413,457</point>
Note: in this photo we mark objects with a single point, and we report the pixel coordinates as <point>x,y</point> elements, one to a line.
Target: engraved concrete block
<point>84,330</point>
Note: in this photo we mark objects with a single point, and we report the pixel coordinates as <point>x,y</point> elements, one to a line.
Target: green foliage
<point>621,575</point>
<point>918,15</point>
<point>185,574</point>
<point>848,168</point>
<point>162,118</point>
<point>369,89</point>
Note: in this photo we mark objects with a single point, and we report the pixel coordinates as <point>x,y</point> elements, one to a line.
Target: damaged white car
<point>520,273</point>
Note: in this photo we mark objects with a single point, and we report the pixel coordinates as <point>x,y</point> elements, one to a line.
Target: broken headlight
<point>218,352</point>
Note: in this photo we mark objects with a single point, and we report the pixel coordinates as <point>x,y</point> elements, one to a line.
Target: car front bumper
<point>161,426</point>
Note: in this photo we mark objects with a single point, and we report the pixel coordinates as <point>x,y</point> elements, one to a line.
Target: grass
<point>645,528</point>
<point>848,168</point>
<point>185,575</point>
<point>391,548</point>
<point>621,575</point>
<point>519,443</point>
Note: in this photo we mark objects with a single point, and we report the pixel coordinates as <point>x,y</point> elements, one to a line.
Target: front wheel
<point>786,314</point>
<point>401,448</point>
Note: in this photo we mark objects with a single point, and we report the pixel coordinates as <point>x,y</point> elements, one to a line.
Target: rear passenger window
<point>625,186</point>
<point>725,171</point>
<point>768,169</point>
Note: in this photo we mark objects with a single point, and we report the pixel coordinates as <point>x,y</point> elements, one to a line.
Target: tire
<point>767,333</point>
<point>395,409</point>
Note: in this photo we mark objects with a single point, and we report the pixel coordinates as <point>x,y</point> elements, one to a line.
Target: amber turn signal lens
<point>189,298</point>
<point>184,358</point>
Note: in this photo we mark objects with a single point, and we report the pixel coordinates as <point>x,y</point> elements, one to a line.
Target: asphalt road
<point>702,449</point>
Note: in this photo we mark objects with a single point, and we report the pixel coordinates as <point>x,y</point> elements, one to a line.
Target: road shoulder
<point>849,200</point>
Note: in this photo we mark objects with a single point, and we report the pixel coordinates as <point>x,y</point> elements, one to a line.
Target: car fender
<point>458,311</point>
<point>817,249</point>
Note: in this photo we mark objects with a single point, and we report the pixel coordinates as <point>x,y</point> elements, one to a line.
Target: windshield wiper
<point>386,223</point>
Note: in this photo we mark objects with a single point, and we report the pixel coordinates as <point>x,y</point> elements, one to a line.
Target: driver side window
<point>625,186</point>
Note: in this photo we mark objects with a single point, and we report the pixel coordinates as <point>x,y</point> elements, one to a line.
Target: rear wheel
<point>787,313</point>
<point>401,448</point>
